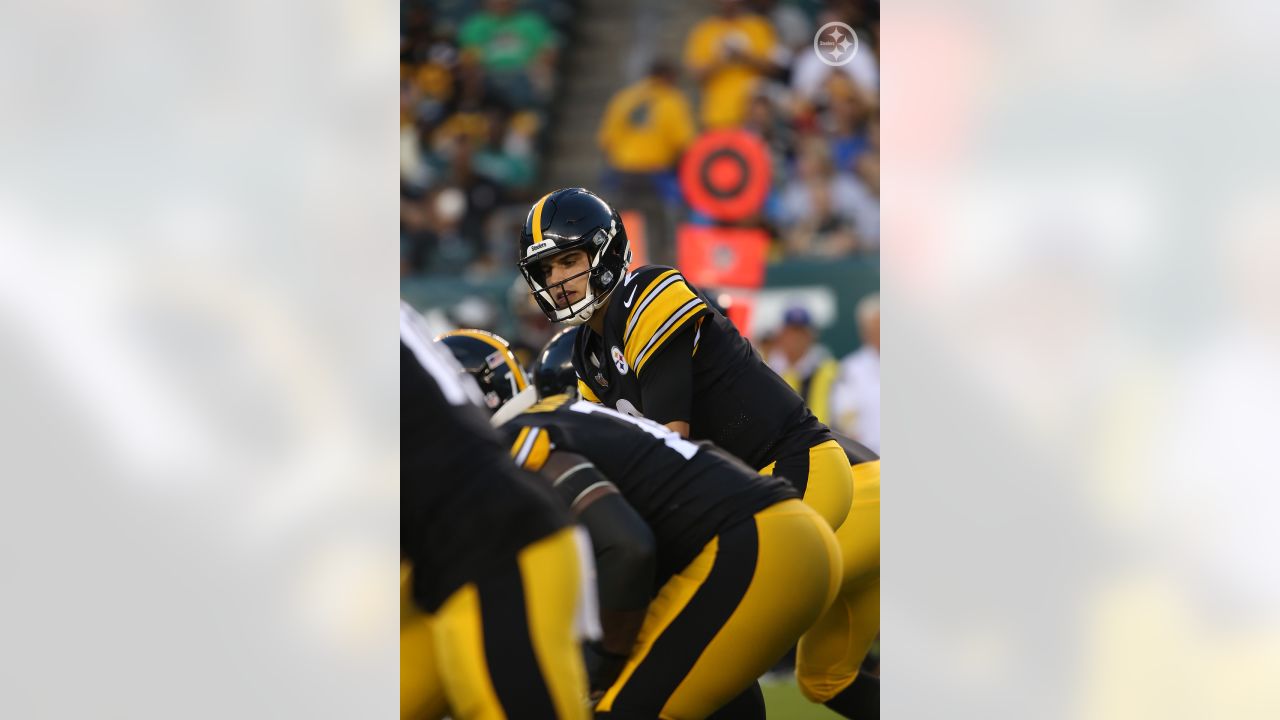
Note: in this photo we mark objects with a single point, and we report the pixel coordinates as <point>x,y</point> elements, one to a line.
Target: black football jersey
<point>686,491</point>
<point>464,506</point>
<point>739,403</point>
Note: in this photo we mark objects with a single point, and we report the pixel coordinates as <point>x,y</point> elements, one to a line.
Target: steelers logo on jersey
<point>619,360</point>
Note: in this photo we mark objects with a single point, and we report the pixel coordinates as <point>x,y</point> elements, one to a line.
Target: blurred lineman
<point>855,400</point>
<point>648,125</point>
<point>741,566</point>
<point>490,594</point>
<point>660,352</point>
<point>805,364</point>
<point>718,540</point>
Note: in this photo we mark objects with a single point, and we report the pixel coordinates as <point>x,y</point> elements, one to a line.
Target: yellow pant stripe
<point>443,663</point>
<point>550,571</point>
<point>663,610</point>
<point>459,645</point>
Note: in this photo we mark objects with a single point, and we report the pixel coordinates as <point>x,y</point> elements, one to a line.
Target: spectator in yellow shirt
<point>728,53</point>
<point>647,125</point>
<point>804,363</point>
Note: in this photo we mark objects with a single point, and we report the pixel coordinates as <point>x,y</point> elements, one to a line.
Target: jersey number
<point>672,439</point>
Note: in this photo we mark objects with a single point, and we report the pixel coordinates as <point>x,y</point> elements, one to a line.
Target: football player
<point>491,589</point>
<point>649,344</point>
<point>741,568</point>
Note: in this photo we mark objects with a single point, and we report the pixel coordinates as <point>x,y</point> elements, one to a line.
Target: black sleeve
<point>666,387</point>
<point>626,552</point>
<point>626,561</point>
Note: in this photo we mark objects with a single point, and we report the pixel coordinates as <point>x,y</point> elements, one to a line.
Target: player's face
<point>571,266</point>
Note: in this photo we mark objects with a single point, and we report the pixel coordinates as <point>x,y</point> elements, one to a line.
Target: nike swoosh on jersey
<point>627,304</point>
<point>630,276</point>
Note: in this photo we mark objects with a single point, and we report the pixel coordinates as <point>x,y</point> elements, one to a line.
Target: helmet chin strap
<point>584,314</point>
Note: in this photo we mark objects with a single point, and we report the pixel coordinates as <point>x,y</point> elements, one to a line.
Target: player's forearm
<point>626,555</point>
<point>680,427</point>
<point>626,560</point>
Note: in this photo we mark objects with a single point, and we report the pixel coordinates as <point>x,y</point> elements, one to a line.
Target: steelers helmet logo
<point>835,44</point>
<point>619,360</point>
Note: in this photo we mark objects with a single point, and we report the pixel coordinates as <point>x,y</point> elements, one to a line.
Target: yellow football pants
<point>502,646</point>
<point>823,471</point>
<point>831,652</point>
<point>728,616</point>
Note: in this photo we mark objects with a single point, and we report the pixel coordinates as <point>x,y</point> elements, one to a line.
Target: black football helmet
<point>553,372</point>
<point>488,358</point>
<point>574,219</point>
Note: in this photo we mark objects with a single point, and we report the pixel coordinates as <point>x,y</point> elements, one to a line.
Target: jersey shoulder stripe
<point>531,448</point>
<point>655,282</point>
<point>667,305</point>
<point>679,319</point>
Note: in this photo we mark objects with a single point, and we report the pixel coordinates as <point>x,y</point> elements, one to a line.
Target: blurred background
<point>200,426</point>
<point>732,150</point>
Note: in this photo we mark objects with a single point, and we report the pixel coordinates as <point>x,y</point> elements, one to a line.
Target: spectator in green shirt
<point>516,50</point>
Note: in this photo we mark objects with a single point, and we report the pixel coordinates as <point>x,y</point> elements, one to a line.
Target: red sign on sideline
<point>725,174</point>
<point>738,309</point>
<point>720,257</point>
<point>633,221</point>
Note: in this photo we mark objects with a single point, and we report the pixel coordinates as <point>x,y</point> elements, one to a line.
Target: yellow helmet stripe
<point>537,219</point>
<point>489,340</point>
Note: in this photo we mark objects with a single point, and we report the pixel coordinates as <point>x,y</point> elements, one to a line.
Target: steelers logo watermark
<point>835,44</point>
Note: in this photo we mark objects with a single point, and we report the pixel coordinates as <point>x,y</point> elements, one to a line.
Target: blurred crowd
<point>843,392</point>
<point>477,81</point>
<point>475,84</point>
<point>754,66</point>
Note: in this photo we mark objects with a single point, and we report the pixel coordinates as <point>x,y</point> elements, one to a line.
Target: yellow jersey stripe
<point>549,403</point>
<point>585,391</point>
<point>658,284</point>
<point>672,302</point>
<point>519,443</point>
<point>507,357</point>
<point>683,315</point>
<point>539,450</point>
<point>525,456</point>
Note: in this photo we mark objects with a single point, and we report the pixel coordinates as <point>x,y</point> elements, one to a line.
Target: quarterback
<point>650,344</point>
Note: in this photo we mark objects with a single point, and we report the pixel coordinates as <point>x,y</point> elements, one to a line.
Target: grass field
<point>784,702</point>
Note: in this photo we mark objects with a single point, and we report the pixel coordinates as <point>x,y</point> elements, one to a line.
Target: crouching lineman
<point>741,567</point>
<point>490,596</point>
<point>649,344</point>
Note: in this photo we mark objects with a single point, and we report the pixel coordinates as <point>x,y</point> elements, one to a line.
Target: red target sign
<point>725,174</point>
